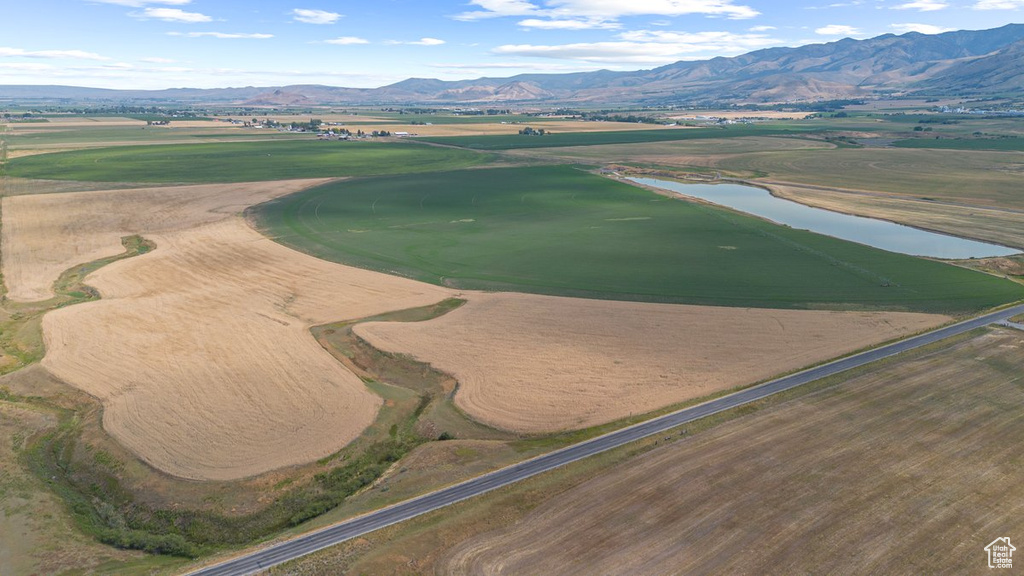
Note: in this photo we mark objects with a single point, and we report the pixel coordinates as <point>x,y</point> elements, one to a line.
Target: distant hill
<point>962,63</point>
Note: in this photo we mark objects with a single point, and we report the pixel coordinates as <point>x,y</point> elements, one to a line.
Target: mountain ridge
<point>965,62</point>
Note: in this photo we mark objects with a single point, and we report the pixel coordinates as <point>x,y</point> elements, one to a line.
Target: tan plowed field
<point>540,364</point>
<point>200,350</point>
<point>201,354</point>
<point>44,235</point>
<point>911,468</point>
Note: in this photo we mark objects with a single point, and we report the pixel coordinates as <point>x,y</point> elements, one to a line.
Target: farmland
<point>1004,144</point>
<point>540,364</point>
<point>790,484</point>
<point>560,139</point>
<point>978,178</point>
<point>206,257</point>
<point>188,409</point>
<point>560,231</point>
<point>970,192</point>
<point>240,162</point>
<point>775,488</point>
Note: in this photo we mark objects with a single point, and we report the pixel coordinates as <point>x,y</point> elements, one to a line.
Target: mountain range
<point>962,63</point>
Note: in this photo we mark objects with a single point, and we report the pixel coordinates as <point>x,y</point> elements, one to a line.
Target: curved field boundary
<point>560,231</point>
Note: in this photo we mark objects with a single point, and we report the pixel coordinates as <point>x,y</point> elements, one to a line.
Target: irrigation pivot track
<point>342,531</point>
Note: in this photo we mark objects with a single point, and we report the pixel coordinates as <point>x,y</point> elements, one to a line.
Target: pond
<point>877,233</point>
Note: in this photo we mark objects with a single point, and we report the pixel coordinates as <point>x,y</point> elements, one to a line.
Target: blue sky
<point>152,44</point>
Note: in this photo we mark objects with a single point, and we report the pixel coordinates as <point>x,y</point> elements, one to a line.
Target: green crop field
<point>95,136</point>
<point>559,139</point>
<point>1001,144</point>
<point>241,161</point>
<point>558,230</point>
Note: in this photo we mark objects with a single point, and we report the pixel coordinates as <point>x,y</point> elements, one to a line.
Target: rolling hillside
<point>962,63</point>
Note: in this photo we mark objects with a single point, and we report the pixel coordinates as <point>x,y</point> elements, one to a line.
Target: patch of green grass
<point>558,230</point>
<point>559,139</point>
<point>1000,144</point>
<point>56,135</point>
<point>975,177</point>
<point>241,161</point>
<point>21,340</point>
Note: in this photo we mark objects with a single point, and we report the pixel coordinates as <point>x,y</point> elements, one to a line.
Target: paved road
<point>302,545</point>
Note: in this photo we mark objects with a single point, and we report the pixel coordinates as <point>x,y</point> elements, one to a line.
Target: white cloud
<point>161,77</point>
<point>618,8</point>
<point>155,60</point>
<point>70,54</point>
<point>172,15</point>
<point>315,16</point>
<point>922,28</point>
<point>762,28</point>
<point>605,10</point>
<point>837,30</point>
<point>420,42</point>
<point>701,41</point>
<point>517,66</point>
<point>634,52</point>
<point>836,5</point>
<point>347,40</point>
<point>25,66</point>
<point>999,4</point>
<point>568,24</point>
<point>923,5</point>
<point>141,3</point>
<point>646,47</point>
<point>498,8</point>
<point>223,35</point>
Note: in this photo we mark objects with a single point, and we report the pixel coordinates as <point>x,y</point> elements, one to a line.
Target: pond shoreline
<point>649,181</point>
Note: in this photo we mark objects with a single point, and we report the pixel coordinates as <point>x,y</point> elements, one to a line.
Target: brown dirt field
<point>539,364</point>
<point>743,114</point>
<point>992,224</point>
<point>201,354</point>
<point>558,126</point>
<point>36,534</point>
<point>911,469</point>
<point>44,235</point>
<point>196,124</point>
<point>707,153</point>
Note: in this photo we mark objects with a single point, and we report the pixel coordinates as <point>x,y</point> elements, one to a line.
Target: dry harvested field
<point>911,469</point>
<point>977,178</point>
<point>1004,227</point>
<point>44,235</point>
<point>538,364</point>
<point>200,350</point>
<point>472,129</point>
<point>700,152</point>
<point>733,114</point>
